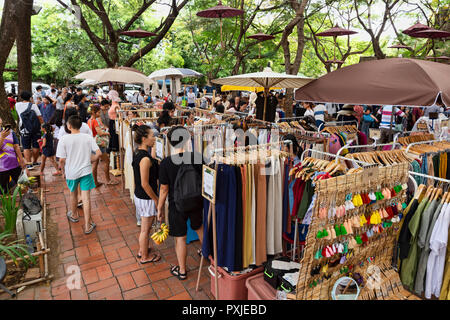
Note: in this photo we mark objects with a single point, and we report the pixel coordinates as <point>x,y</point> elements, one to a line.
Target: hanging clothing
<point>436,260</point>
<point>427,224</point>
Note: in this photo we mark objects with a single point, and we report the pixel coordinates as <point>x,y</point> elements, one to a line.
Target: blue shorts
<point>86,183</point>
<point>30,140</point>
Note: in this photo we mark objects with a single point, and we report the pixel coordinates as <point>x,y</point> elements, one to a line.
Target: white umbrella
<point>121,74</point>
<point>266,79</point>
<point>88,82</point>
<point>173,74</point>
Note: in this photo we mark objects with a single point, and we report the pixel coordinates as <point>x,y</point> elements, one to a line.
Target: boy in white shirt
<point>75,153</point>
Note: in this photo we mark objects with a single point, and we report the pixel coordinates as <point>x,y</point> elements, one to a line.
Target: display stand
<point>371,259</point>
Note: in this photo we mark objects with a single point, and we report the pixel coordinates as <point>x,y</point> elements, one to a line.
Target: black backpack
<point>188,189</point>
<point>30,121</point>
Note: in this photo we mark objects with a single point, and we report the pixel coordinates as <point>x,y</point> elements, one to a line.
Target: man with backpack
<point>180,179</point>
<point>30,121</point>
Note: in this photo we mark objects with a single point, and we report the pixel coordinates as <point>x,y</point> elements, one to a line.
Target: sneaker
<point>30,166</point>
<point>138,223</point>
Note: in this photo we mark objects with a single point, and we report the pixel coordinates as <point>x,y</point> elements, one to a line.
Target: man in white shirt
<point>29,139</point>
<point>38,94</point>
<point>191,98</point>
<point>49,91</point>
<point>75,158</point>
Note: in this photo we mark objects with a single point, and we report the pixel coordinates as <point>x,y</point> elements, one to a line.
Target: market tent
<point>395,81</point>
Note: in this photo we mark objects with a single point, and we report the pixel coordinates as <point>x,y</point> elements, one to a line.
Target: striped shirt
<point>386,113</point>
<point>319,112</point>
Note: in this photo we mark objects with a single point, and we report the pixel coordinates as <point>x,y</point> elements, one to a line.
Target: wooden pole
<point>121,156</point>
<point>30,282</point>
<point>44,231</point>
<point>266,93</point>
<point>221,39</point>
<point>35,254</point>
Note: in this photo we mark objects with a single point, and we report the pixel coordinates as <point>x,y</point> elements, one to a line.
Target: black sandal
<point>149,250</point>
<point>155,258</point>
<point>175,270</point>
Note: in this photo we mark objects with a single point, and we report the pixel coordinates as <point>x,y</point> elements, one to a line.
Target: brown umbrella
<point>400,46</point>
<point>220,11</point>
<point>417,27</point>
<point>396,81</point>
<point>261,37</point>
<point>430,34</point>
<point>335,32</point>
<point>334,61</point>
<point>438,58</point>
<point>138,33</point>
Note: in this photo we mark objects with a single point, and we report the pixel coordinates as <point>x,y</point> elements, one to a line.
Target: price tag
<point>209,184</point>
<point>159,145</point>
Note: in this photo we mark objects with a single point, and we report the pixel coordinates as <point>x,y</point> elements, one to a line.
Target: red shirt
<point>12,103</point>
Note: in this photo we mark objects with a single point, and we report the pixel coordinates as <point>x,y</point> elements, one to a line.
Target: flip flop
<point>71,219</point>
<point>56,174</point>
<point>155,258</point>
<point>112,183</point>
<point>149,250</point>
<point>80,204</point>
<point>175,270</point>
<point>91,228</point>
<point>199,252</point>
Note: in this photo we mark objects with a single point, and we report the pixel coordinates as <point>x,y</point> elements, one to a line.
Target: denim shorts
<point>30,140</point>
<point>86,183</point>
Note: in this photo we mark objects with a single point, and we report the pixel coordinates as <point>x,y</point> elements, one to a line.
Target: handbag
<point>101,141</point>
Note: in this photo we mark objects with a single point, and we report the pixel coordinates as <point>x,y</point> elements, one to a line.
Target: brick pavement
<point>107,257</point>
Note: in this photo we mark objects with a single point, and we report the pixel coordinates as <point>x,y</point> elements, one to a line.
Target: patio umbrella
<point>139,33</point>
<point>400,46</point>
<point>395,81</point>
<point>430,34</point>
<point>88,82</point>
<point>120,75</point>
<point>173,74</point>
<point>335,32</point>
<point>417,27</point>
<point>261,37</point>
<point>266,79</point>
<point>220,11</point>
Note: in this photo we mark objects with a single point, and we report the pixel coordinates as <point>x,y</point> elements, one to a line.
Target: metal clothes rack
<point>429,177</point>
<point>423,142</point>
<point>340,123</point>
<point>212,213</point>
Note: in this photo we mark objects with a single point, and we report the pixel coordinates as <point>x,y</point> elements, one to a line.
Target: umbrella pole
<point>221,39</point>
<point>335,44</point>
<point>265,102</point>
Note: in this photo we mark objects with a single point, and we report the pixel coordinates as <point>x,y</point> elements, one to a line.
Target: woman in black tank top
<point>145,170</point>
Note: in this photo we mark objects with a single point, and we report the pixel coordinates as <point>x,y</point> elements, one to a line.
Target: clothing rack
<point>340,123</point>
<point>290,118</point>
<point>429,177</point>
<point>356,162</point>
<point>422,142</point>
<point>212,214</point>
<point>373,145</point>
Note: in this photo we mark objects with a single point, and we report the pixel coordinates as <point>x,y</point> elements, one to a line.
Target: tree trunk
<point>7,34</point>
<point>23,29</point>
<point>379,54</point>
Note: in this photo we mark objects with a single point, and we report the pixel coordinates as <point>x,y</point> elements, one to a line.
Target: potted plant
<point>9,210</point>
